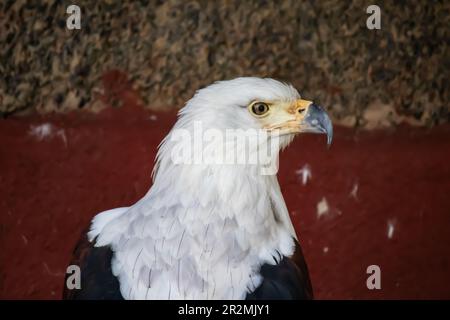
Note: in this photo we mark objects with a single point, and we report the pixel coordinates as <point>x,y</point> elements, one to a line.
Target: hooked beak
<point>316,120</point>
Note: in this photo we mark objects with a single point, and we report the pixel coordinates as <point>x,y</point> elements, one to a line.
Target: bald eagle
<point>209,229</point>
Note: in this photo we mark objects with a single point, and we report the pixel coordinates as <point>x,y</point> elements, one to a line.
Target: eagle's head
<point>257,103</point>
<point>252,109</point>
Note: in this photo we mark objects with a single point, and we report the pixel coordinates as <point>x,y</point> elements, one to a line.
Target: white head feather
<point>203,230</point>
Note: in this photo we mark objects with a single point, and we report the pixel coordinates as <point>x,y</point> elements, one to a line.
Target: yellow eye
<point>259,108</point>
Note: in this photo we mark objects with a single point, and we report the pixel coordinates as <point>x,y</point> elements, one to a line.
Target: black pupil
<point>261,108</point>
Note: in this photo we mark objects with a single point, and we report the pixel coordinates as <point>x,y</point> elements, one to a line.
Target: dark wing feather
<point>97,279</point>
<point>287,280</point>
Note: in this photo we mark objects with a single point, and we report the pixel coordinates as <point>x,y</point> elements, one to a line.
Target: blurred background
<point>83,111</point>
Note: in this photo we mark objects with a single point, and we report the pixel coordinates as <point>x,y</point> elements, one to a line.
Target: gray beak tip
<point>318,121</point>
<point>329,132</point>
<point>329,139</point>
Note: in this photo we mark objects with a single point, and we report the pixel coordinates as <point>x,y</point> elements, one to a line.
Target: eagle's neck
<point>247,194</point>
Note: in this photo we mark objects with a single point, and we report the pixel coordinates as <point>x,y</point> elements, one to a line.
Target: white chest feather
<point>206,241</point>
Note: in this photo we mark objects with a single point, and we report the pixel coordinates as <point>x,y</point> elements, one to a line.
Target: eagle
<point>213,225</point>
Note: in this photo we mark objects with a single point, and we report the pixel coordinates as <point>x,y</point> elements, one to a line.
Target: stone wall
<point>169,49</point>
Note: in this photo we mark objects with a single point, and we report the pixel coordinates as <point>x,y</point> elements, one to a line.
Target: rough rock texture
<point>168,49</point>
